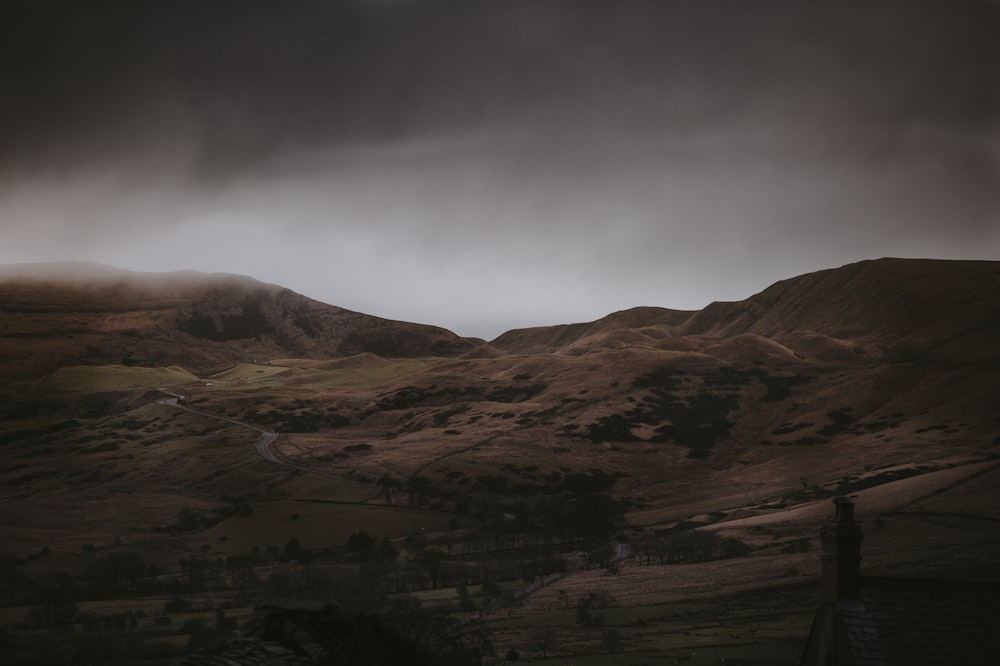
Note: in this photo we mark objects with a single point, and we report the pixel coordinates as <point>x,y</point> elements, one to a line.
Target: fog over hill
<point>872,311</point>
<point>58,314</point>
<point>485,166</point>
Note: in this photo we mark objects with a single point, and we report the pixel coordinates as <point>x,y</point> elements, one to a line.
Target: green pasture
<point>323,375</point>
<point>311,486</point>
<point>377,372</point>
<point>114,378</point>
<point>246,371</point>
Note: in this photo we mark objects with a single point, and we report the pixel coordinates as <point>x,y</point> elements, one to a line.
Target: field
<point>459,484</point>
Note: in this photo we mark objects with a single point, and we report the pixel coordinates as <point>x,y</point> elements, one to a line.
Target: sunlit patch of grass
<point>249,371</point>
<point>313,375</point>
<point>114,378</point>
<point>378,371</point>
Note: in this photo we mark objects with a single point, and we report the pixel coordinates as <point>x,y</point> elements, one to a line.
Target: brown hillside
<point>891,309</point>
<point>648,322</point>
<point>55,315</point>
<point>836,382</point>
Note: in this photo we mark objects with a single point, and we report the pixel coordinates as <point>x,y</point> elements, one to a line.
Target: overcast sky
<point>490,165</point>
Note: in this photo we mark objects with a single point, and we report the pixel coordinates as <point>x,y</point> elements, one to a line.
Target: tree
<point>188,520</point>
<point>56,609</point>
<point>601,556</point>
<point>733,547</point>
<point>241,568</point>
<point>116,574</point>
<point>177,605</point>
<point>12,579</point>
<point>203,573</point>
<point>56,616</point>
<point>389,487</point>
<point>295,551</point>
<point>586,606</point>
<point>612,642</point>
<point>444,638</point>
<point>360,542</point>
<point>659,546</point>
<point>491,589</point>
<point>279,584</point>
<point>431,563</point>
<point>384,551</point>
<point>543,639</point>
<point>419,487</point>
<point>465,602</point>
<point>417,543</point>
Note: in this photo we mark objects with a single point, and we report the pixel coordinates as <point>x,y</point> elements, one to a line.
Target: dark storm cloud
<point>474,163</point>
<point>242,80</point>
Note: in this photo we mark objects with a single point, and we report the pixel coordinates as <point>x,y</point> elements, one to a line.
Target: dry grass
<point>91,460</point>
<point>317,525</point>
<point>748,609</point>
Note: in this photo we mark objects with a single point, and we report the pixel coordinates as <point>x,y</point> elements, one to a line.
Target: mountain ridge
<point>654,418</point>
<point>201,320</point>
<point>920,302</point>
<point>875,309</point>
<point>887,310</point>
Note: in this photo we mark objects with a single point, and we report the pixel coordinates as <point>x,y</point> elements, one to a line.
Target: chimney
<point>840,558</point>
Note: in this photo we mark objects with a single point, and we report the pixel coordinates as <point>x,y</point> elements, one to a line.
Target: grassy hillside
<point>725,430</point>
<point>202,322</point>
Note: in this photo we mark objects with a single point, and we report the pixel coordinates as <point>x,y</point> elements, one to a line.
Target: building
<point>880,621</point>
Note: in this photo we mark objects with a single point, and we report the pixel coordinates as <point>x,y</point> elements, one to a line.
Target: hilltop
<point>87,314</point>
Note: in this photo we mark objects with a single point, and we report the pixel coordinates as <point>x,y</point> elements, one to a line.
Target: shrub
<point>733,547</point>
<point>178,605</point>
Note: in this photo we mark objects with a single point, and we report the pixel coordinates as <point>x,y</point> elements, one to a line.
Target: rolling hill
<point>878,379</point>
<point>85,314</point>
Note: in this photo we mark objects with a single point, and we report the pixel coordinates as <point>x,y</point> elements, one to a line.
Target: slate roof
<point>900,621</point>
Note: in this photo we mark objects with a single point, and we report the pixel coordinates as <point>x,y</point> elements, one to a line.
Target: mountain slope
<point>645,324</point>
<point>55,315</point>
<point>889,309</point>
<point>828,383</point>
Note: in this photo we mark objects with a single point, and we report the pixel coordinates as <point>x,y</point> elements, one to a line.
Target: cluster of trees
<point>589,607</point>
<point>369,549</point>
<point>52,598</point>
<point>107,637</point>
<point>447,639</point>
<point>513,539</point>
<point>688,547</point>
<point>544,522</point>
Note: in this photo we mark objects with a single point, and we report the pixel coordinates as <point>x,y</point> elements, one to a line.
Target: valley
<point>250,446</point>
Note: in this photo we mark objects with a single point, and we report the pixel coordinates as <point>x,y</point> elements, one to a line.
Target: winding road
<point>263,446</point>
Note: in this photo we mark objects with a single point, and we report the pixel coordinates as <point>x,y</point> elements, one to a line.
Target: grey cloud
<point>245,81</point>
<point>486,165</point>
